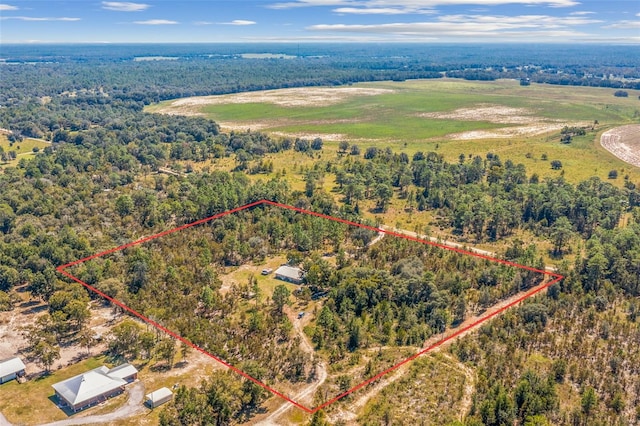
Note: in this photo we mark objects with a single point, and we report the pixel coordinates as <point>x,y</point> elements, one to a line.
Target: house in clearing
<point>10,369</point>
<point>290,274</point>
<point>94,386</point>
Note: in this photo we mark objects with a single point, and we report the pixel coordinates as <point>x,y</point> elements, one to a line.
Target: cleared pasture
<point>449,116</point>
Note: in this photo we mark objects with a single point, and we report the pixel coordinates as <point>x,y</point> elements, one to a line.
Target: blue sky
<point>537,21</point>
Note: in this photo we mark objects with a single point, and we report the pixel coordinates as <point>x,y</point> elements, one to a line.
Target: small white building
<point>11,369</point>
<point>159,397</point>
<point>290,274</point>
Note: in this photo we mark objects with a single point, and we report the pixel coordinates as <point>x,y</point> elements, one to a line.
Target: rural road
<point>451,244</point>
<point>321,373</point>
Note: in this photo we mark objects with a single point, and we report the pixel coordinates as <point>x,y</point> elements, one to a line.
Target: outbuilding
<point>158,397</point>
<point>290,274</point>
<point>11,369</point>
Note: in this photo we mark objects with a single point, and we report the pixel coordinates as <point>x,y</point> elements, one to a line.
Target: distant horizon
<point>326,42</point>
<point>321,21</point>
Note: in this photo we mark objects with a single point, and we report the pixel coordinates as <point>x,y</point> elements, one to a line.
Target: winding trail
<point>321,372</point>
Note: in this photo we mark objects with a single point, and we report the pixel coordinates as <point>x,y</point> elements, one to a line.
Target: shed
<point>158,397</point>
<point>10,369</point>
<point>290,274</point>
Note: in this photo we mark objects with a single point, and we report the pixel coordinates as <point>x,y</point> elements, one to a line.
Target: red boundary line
<point>61,269</point>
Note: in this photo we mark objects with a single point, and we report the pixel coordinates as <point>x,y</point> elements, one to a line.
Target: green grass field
<point>22,149</point>
<point>392,119</point>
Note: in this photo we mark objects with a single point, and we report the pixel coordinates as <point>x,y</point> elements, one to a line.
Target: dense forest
<point>96,187</point>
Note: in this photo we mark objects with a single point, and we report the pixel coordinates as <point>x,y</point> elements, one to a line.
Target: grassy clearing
<point>266,283</point>
<point>22,149</point>
<point>28,403</point>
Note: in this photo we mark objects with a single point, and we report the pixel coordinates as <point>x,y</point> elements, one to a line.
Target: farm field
<point>451,117</point>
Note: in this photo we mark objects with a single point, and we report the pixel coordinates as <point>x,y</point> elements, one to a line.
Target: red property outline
<point>61,269</point>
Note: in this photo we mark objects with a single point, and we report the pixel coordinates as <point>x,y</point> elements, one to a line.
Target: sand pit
<point>296,97</point>
<point>624,143</point>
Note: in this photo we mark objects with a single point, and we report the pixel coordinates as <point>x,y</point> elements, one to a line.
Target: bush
<point>556,164</point>
<point>620,94</point>
<point>613,174</point>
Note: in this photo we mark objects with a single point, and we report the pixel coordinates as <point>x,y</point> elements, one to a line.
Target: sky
<point>300,21</point>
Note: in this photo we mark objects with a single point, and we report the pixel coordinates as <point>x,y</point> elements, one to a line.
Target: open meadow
<point>451,117</point>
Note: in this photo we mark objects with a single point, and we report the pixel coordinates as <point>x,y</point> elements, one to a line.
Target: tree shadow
<point>34,309</point>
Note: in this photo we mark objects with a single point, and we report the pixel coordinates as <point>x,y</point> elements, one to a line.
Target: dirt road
<point>308,391</point>
<point>451,244</point>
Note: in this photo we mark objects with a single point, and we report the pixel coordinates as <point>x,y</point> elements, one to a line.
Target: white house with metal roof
<point>94,386</point>
<point>10,369</point>
<point>290,274</point>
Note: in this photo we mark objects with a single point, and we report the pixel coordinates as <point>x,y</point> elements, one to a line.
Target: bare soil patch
<point>13,343</point>
<point>487,112</point>
<point>624,143</point>
<point>529,123</point>
<point>295,97</point>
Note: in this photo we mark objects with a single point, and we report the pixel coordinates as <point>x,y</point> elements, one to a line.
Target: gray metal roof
<point>159,394</point>
<point>86,386</point>
<point>289,272</point>
<point>10,366</point>
<point>122,371</point>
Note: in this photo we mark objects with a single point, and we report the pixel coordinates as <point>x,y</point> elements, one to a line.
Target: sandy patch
<point>311,136</point>
<point>624,143</point>
<point>295,97</point>
<point>510,132</point>
<point>487,112</point>
<point>13,342</point>
<point>530,124</point>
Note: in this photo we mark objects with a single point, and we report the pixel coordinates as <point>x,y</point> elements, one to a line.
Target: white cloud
<point>119,6</point>
<point>239,22</point>
<point>8,7</point>
<point>626,25</point>
<point>156,22</point>
<point>416,4</point>
<point>476,26</point>
<point>581,13</point>
<point>382,11</point>
<point>203,23</point>
<point>39,19</point>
